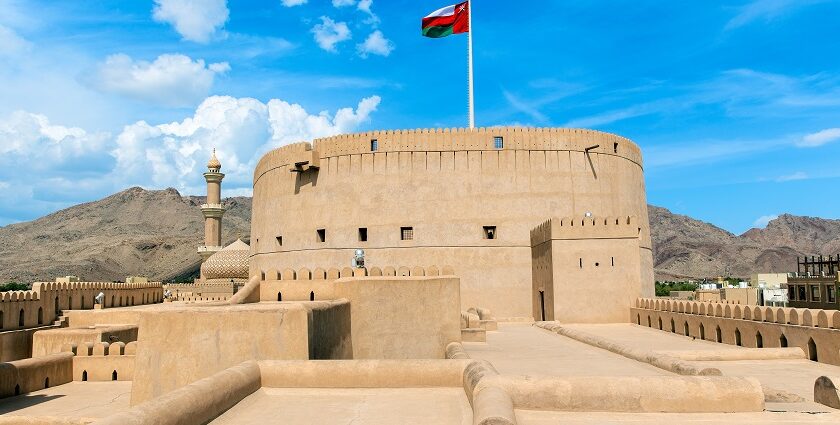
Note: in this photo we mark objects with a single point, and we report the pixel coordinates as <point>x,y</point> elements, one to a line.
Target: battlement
<point>568,228</point>
<point>53,286</point>
<point>450,140</point>
<point>334,273</point>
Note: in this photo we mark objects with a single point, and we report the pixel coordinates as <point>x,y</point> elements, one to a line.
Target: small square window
<point>279,241</point>
<point>498,142</point>
<point>815,293</point>
<point>489,232</point>
<point>832,294</point>
<point>615,147</point>
<point>406,233</point>
<point>362,234</point>
<point>374,145</point>
<point>322,235</point>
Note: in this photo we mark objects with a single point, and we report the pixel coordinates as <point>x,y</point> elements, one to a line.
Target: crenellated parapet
<point>333,273</point>
<point>449,140</point>
<point>103,361</point>
<point>568,228</point>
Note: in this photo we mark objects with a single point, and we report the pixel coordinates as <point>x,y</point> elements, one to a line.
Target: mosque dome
<point>214,163</point>
<point>229,263</point>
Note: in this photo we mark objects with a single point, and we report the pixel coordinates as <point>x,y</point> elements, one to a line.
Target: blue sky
<point>734,103</point>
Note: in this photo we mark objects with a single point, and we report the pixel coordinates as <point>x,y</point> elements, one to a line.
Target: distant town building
<point>815,283</point>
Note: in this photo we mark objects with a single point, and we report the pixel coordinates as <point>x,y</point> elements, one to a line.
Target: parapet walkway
<point>523,349</point>
<point>74,400</point>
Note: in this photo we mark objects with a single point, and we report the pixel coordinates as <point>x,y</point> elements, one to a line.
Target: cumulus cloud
<point>375,44</point>
<point>362,6</point>
<point>195,20</point>
<point>241,129</point>
<point>329,33</point>
<point>10,42</point>
<point>762,221</point>
<point>171,80</point>
<point>819,138</point>
<point>292,3</point>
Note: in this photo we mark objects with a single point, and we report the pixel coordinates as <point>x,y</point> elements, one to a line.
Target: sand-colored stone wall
<point>23,376</point>
<point>816,332</point>
<point>54,340</point>
<point>578,263</point>
<point>445,185</point>
<point>103,361</point>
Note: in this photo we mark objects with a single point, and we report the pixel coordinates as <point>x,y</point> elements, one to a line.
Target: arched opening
<point>812,350</point>
<point>17,389</point>
<point>84,375</point>
<point>783,341</point>
<point>1,320</point>
<point>673,327</point>
<point>56,306</point>
<point>718,335</point>
<point>121,301</point>
<point>638,319</point>
<point>759,340</point>
<point>47,382</point>
<point>685,329</point>
<point>649,325</point>
<point>132,300</point>
<point>279,296</point>
<point>113,299</point>
<point>82,300</point>
<point>114,376</point>
<point>660,323</point>
<point>738,337</point>
<point>69,303</point>
<point>312,296</point>
<point>702,332</point>
<point>40,315</point>
<point>20,318</point>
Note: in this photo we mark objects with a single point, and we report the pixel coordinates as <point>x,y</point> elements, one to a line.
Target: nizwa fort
<point>443,276</point>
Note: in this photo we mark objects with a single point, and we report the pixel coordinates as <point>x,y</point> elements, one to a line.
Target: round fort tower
<point>452,197</point>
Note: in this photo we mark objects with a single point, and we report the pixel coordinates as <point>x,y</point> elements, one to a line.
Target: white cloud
<point>241,130</point>
<point>10,42</point>
<point>762,221</point>
<point>799,175</point>
<point>171,80</point>
<point>375,44</point>
<point>766,10</point>
<point>365,6</point>
<point>820,138</point>
<point>195,20</point>
<point>329,33</point>
<point>293,3</point>
<point>343,3</point>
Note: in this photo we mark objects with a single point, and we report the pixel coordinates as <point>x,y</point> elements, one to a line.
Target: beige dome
<point>229,263</point>
<point>214,163</point>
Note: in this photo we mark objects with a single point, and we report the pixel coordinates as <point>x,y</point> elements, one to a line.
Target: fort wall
<point>447,188</point>
<point>580,262</point>
<point>816,332</point>
<point>27,375</point>
<point>103,361</point>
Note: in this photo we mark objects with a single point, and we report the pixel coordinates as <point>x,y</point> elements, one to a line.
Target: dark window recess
<point>581,262</point>
<point>615,147</point>
<point>374,145</point>
<point>498,142</point>
<point>490,232</point>
<point>322,235</point>
<point>406,233</point>
<point>280,241</point>
<point>612,261</point>
<point>362,234</point>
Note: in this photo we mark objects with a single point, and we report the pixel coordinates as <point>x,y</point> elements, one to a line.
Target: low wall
<point>116,316</point>
<point>53,340</point>
<point>362,373</point>
<point>402,317</point>
<point>23,376</point>
<point>103,361</point>
<point>814,331</point>
<point>181,345</point>
<point>17,344</point>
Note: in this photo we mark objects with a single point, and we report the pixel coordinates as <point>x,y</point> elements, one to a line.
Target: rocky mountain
<point>687,248</point>
<point>156,233</point>
<point>133,232</point>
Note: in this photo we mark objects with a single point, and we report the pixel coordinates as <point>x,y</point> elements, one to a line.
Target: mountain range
<point>156,232</point>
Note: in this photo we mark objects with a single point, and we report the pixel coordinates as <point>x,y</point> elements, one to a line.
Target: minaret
<point>213,209</point>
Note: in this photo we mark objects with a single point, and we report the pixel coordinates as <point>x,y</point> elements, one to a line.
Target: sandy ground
<point>71,400</point>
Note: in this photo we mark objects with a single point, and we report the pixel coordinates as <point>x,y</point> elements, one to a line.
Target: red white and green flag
<point>449,20</point>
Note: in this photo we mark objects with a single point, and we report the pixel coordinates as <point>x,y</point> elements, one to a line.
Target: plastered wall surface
<point>445,185</point>
<point>402,318</point>
<point>53,340</point>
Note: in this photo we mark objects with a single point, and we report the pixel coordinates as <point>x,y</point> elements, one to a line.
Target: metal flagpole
<point>470,49</point>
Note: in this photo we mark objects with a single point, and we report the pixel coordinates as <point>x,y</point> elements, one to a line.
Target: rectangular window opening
<point>406,233</point>
<point>498,142</point>
<point>581,262</point>
<point>374,145</point>
<point>490,232</point>
<point>362,234</point>
<point>615,147</point>
<point>815,293</point>
<point>612,260</point>
<point>279,241</point>
<point>322,235</point>
<point>832,294</point>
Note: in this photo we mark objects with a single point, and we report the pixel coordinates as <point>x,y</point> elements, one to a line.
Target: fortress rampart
<point>816,332</point>
<point>451,196</point>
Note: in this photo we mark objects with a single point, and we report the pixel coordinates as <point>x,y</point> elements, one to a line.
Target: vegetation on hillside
<point>13,286</point>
